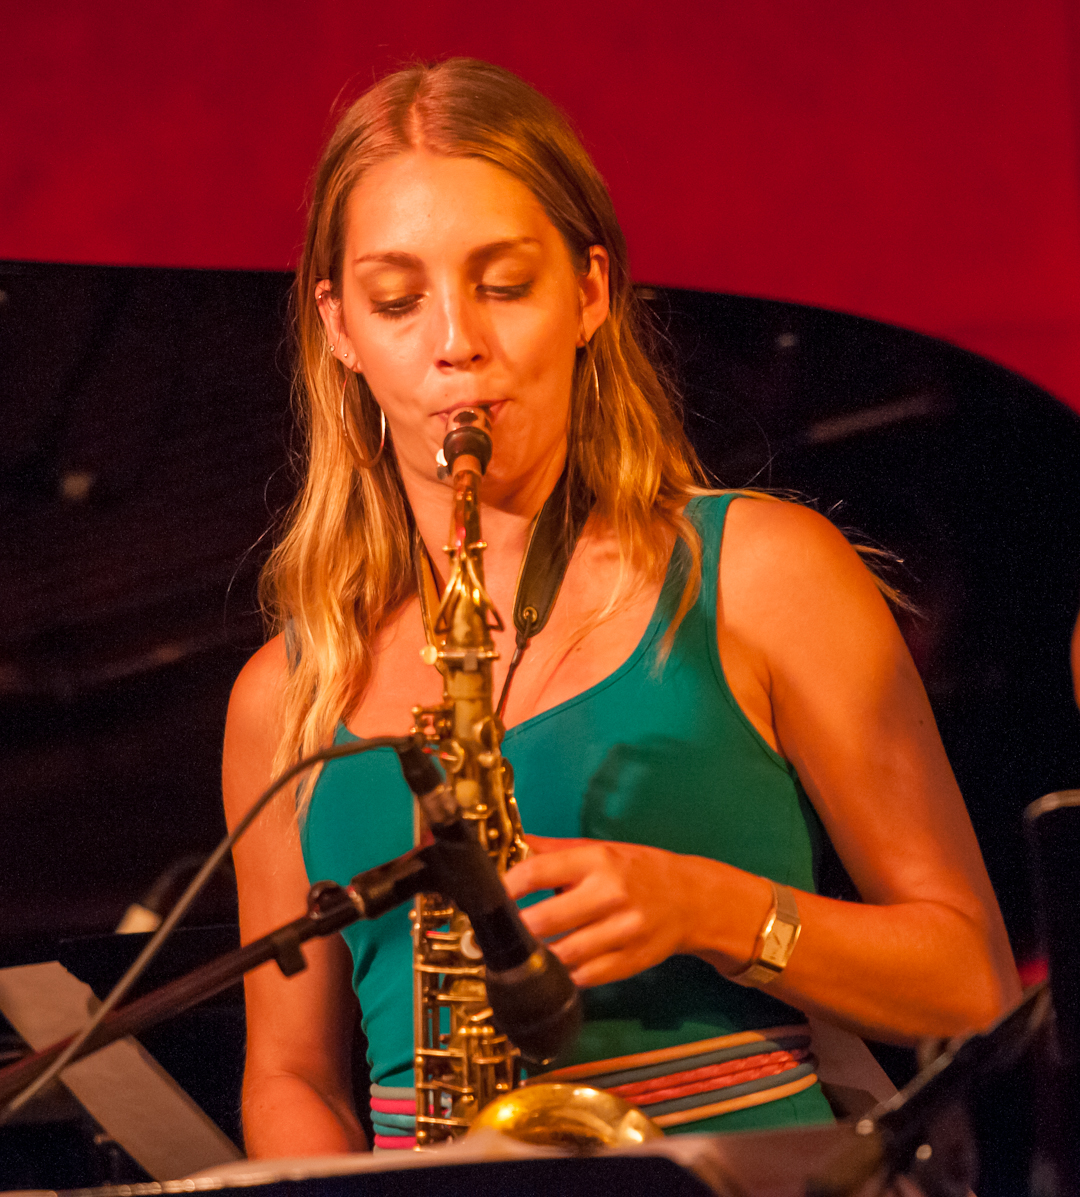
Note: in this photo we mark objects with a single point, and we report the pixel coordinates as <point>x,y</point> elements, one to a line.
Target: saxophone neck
<point>467,616</point>
<point>467,449</point>
<point>465,537</point>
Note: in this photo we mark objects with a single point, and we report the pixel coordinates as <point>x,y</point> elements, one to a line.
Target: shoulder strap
<point>708,513</point>
<point>552,538</point>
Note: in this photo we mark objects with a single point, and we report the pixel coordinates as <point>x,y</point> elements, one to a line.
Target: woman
<point>682,731</point>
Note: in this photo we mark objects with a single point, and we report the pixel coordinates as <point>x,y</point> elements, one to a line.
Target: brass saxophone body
<point>462,1061</point>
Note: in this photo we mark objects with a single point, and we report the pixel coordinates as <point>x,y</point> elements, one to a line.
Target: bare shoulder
<point>257,691</point>
<point>784,561</point>
<point>253,724</point>
<point>263,676</point>
<point>801,621</point>
<point>778,535</point>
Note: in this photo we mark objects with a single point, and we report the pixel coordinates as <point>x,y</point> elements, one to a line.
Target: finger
<point>603,970</point>
<point>618,934</point>
<point>555,870</point>
<point>577,907</point>
<point>549,843</point>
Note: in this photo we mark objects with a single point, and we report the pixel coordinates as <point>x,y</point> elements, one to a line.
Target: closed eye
<point>394,309</point>
<point>519,291</point>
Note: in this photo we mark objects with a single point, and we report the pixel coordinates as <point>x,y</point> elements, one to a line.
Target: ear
<point>329,307</point>
<point>593,293</point>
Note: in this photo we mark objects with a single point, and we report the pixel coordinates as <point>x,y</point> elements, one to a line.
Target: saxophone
<point>462,1061</point>
<point>467,1071</point>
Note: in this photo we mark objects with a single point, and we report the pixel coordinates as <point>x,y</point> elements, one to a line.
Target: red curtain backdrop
<point>914,161</point>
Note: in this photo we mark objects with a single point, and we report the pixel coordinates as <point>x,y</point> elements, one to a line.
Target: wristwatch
<point>776,940</point>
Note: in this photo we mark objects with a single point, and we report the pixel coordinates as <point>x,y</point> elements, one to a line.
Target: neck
<point>507,508</point>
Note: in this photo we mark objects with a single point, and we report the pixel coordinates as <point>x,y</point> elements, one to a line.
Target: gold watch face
<point>779,944</point>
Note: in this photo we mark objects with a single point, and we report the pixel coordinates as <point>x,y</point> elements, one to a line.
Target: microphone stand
<point>330,907</point>
<point>529,989</point>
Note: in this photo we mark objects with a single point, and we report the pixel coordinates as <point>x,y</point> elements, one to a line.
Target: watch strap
<point>776,940</point>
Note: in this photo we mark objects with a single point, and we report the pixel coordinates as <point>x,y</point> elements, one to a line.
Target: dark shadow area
<point>148,418</point>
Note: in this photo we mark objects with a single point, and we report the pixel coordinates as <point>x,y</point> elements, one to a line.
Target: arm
<point>818,665</point>
<point>297,1097</point>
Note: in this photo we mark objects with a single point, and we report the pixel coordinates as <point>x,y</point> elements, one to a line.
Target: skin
<point>457,290</point>
<point>1075,658</point>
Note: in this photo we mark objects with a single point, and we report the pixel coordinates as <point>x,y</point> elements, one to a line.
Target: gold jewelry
<point>776,940</point>
<point>360,462</point>
<point>596,381</point>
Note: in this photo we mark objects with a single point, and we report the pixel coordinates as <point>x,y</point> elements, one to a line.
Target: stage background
<point>915,162</point>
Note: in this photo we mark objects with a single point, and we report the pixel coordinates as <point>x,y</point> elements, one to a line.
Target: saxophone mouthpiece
<point>467,444</point>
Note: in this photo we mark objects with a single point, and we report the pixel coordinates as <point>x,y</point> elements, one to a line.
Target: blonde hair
<point>344,563</point>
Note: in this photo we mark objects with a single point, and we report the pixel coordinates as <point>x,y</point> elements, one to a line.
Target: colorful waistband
<point>393,1116</point>
<point>672,1085</point>
<point>699,1080</point>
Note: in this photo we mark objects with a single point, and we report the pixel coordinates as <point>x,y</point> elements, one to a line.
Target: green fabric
<point>657,753</point>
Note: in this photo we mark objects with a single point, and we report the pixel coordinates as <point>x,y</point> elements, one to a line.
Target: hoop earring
<point>596,382</point>
<point>359,461</point>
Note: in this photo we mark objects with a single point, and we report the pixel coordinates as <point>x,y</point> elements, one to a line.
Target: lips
<point>491,406</point>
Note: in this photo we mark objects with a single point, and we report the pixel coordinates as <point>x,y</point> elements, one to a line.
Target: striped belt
<point>672,1085</point>
<point>693,1081</point>
<point>393,1115</point>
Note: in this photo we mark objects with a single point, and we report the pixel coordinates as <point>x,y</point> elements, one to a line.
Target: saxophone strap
<point>553,535</point>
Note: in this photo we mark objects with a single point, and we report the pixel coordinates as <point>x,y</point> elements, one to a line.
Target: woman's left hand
<point>621,908</point>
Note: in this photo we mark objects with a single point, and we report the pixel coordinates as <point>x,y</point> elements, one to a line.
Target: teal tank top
<point>656,753</point>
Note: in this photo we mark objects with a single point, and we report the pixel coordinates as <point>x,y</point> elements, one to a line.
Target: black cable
<point>120,989</point>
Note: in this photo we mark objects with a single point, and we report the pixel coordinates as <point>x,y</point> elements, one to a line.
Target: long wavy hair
<point>344,564</point>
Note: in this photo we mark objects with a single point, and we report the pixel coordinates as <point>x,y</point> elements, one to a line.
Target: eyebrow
<point>486,252</point>
<point>481,253</point>
<point>390,259</point>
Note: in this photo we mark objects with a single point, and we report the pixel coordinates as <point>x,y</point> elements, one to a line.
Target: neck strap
<point>552,537</point>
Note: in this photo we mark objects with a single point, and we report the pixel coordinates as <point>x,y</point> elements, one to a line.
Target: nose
<point>459,339</point>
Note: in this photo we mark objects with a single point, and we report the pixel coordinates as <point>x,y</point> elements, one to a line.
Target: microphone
<point>533,1000</point>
